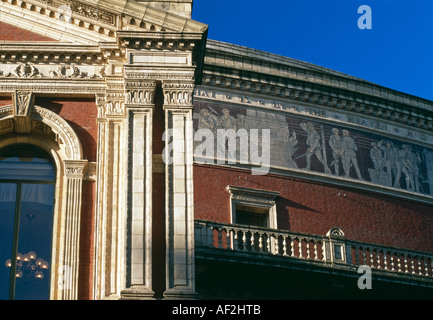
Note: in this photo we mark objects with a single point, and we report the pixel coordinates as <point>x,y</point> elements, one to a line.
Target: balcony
<point>331,253</point>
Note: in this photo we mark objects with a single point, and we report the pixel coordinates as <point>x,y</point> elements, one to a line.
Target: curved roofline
<point>275,59</point>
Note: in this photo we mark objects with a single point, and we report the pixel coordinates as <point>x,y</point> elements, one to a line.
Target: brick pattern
<point>315,208</point>
<point>81,115</point>
<point>87,241</point>
<point>12,33</point>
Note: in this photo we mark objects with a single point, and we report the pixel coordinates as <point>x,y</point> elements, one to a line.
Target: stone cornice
<point>240,63</point>
<point>91,22</point>
<point>325,96</point>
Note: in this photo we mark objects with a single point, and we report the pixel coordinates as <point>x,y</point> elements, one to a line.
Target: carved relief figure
<point>389,154</point>
<point>349,155</point>
<point>208,120</point>
<point>227,121</point>
<point>410,162</point>
<point>293,143</point>
<point>377,157</point>
<point>335,142</point>
<point>314,145</point>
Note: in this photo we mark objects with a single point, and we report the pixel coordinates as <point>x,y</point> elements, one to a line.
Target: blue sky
<point>396,53</point>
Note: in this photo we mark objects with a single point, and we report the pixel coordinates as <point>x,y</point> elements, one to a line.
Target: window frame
<point>17,209</point>
<point>254,198</point>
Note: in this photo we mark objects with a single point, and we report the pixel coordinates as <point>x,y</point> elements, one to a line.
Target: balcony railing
<point>330,250</point>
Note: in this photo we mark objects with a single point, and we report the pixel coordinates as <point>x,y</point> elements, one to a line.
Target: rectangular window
<point>253,207</point>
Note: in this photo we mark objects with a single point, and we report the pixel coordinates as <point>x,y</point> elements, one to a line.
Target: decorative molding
<point>63,71</point>
<point>257,196</point>
<point>23,101</point>
<point>140,93</point>
<point>178,94</point>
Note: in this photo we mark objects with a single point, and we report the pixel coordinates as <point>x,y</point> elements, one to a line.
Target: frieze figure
<point>335,142</point>
<point>314,146</point>
<point>227,121</point>
<point>208,120</point>
<point>389,156</point>
<point>410,167</point>
<point>349,155</point>
<point>377,157</point>
<point>292,148</point>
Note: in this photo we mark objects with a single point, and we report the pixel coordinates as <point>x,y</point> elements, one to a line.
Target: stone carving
<point>208,120</point>
<point>292,148</point>
<point>24,70</point>
<point>349,148</point>
<point>23,101</point>
<point>227,121</point>
<point>86,11</point>
<point>354,155</point>
<point>314,146</point>
<point>141,93</point>
<point>178,94</point>
<point>335,142</point>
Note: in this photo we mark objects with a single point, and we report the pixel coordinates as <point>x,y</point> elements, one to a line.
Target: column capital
<point>75,168</point>
<point>140,92</point>
<point>178,94</point>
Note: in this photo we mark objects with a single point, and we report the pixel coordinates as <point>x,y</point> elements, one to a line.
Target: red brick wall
<point>11,33</point>
<point>4,101</point>
<point>315,208</point>
<point>81,115</point>
<point>86,241</point>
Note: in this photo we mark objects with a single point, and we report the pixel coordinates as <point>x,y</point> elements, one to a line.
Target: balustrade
<point>239,238</point>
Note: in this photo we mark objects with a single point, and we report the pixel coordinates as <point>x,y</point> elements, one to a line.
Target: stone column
<point>140,108</point>
<point>110,234</point>
<point>180,277</point>
<point>74,172</point>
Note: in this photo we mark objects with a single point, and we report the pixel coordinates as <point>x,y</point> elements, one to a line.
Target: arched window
<point>27,183</point>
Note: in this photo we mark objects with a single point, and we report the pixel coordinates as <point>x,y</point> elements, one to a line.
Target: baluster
<point>399,262</point>
<point>378,258</point>
<point>229,238</point>
<point>284,246</point>
<point>244,241</point>
<point>300,247</point>
<point>252,241</point>
<point>276,245</point>
<point>292,247</point>
<point>412,264</point>
<point>370,252</point>
<point>426,266</point>
<point>391,254</point>
<point>385,260</point>
<point>308,248</point>
<point>315,251</point>
<point>268,243</point>
<point>260,242</point>
<point>419,265</point>
<point>235,240</point>
<point>405,263</point>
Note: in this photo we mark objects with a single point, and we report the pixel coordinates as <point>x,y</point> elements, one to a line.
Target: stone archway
<point>23,122</point>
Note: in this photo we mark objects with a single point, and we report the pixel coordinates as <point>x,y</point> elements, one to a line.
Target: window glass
<point>26,221</point>
<point>25,162</point>
<point>7,213</point>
